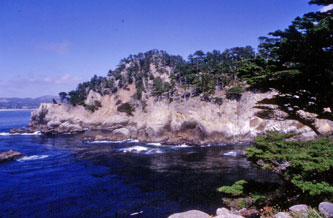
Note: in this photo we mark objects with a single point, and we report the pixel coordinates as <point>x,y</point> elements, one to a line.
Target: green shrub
<point>235,93</point>
<point>310,163</point>
<point>126,108</point>
<point>93,107</point>
<point>236,189</point>
<point>235,90</point>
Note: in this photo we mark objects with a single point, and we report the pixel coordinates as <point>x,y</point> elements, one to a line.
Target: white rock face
<point>189,121</point>
<point>123,131</point>
<point>92,97</point>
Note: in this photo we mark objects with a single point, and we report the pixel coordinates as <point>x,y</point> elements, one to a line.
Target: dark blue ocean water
<point>63,177</point>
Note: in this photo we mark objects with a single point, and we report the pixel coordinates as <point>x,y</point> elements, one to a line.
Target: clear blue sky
<point>48,46</point>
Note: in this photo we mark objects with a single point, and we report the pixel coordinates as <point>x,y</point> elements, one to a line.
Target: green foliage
<point>258,197</point>
<point>235,92</point>
<point>236,189</point>
<point>297,58</point>
<point>94,107</point>
<point>241,203</point>
<point>158,86</point>
<point>126,108</point>
<point>310,167</point>
<point>63,96</point>
<point>78,96</point>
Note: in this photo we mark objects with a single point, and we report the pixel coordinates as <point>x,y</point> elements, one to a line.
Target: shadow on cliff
<point>292,105</point>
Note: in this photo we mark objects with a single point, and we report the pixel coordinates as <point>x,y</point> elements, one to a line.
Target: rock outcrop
<point>182,121</point>
<point>10,155</point>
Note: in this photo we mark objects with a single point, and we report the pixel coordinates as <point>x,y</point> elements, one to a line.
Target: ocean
<point>64,177</point>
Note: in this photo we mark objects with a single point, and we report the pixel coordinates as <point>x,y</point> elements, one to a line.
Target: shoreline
<point>18,109</point>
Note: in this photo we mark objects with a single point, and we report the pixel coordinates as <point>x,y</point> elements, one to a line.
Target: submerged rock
<point>10,155</point>
<point>326,209</point>
<point>190,214</point>
<point>20,131</point>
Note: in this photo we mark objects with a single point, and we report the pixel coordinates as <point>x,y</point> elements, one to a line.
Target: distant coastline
<point>18,109</point>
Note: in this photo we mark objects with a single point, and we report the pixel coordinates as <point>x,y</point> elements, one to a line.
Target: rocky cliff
<point>155,97</point>
<point>184,121</point>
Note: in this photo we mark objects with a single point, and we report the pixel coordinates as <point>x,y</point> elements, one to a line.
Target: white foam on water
<point>154,144</point>
<point>182,146</point>
<point>141,150</point>
<point>34,133</point>
<point>204,146</point>
<point>122,141</point>
<point>7,133</point>
<point>32,157</point>
<point>100,142</point>
<point>230,153</point>
<point>154,151</point>
<point>136,149</point>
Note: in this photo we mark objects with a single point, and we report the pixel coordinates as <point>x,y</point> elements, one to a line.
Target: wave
<point>182,146</point>
<point>136,149</point>
<point>230,153</point>
<point>154,144</point>
<point>141,149</point>
<point>8,133</point>
<point>32,157</point>
<point>122,141</point>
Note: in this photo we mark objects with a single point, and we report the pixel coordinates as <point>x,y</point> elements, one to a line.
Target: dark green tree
<point>63,96</point>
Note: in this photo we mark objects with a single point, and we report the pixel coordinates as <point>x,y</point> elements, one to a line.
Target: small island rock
<point>10,155</point>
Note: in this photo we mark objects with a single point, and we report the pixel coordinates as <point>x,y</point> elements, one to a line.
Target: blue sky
<point>48,46</point>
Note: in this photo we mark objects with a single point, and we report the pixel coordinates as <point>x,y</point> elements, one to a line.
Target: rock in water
<point>326,209</point>
<point>19,131</point>
<point>190,214</point>
<point>10,155</point>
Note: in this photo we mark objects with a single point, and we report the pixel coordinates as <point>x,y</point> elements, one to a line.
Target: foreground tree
<point>299,60</point>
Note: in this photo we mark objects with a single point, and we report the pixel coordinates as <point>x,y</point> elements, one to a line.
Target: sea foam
<point>154,144</point>
<point>141,150</point>
<point>231,153</point>
<point>8,133</point>
<point>32,157</point>
<point>122,141</point>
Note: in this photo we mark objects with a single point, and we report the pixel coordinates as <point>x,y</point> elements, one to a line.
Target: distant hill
<point>25,103</point>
